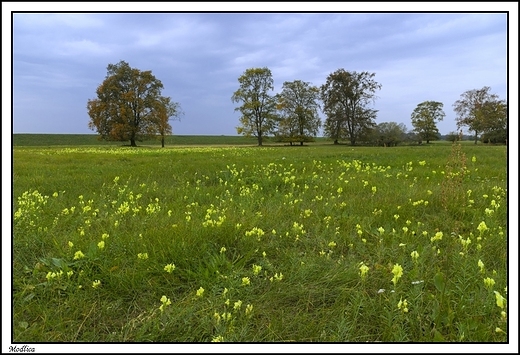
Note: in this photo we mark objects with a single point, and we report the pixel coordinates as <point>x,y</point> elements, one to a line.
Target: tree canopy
<point>389,134</point>
<point>481,112</point>
<point>298,104</point>
<point>424,120</point>
<point>345,97</point>
<point>258,108</point>
<point>129,106</point>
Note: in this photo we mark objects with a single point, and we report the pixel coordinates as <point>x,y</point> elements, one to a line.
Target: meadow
<point>237,243</point>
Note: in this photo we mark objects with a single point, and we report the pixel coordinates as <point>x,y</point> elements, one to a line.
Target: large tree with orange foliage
<point>129,106</point>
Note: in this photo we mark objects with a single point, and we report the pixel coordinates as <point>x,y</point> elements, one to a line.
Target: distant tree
<point>453,137</point>
<point>345,96</point>
<point>299,119</point>
<point>473,110</point>
<point>129,105</point>
<point>389,133</point>
<point>425,118</point>
<point>494,125</point>
<point>166,110</point>
<point>258,107</point>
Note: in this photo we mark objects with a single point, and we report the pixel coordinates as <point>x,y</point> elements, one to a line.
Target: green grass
<point>21,139</point>
<point>275,237</point>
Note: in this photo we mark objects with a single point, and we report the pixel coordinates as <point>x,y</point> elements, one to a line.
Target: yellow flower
<point>217,339</point>
<point>169,268</point>
<point>256,269</point>
<point>96,283</point>
<point>78,255</point>
<point>165,302</point>
<point>397,270</point>
<point>363,270</point>
<point>414,255</point>
<point>200,292</point>
<point>101,245</point>
<point>237,305</point>
<point>249,309</point>
<point>246,281</point>
<point>437,236</point>
<point>142,256</point>
<point>71,244</point>
<point>500,299</point>
<point>489,282</point>
<point>403,305</point>
<point>482,227</point>
<point>481,265</point>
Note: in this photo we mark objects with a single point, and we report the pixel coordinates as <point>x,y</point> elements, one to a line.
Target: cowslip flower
<point>246,281</point>
<point>249,309</point>
<point>482,227</point>
<point>200,292</point>
<point>256,269</point>
<point>78,255</point>
<point>237,305</point>
<point>165,302</point>
<point>96,283</point>
<point>217,339</point>
<point>414,255</point>
<point>500,299</point>
<point>101,245</point>
<point>403,305</point>
<point>437,236</point>
<point>381,230</point>
<point>142,256</point>
<point>481,265</point>
<point>363,270</point>
<point>489,282</point>
<point>397,270</point>
<point>169,268</point>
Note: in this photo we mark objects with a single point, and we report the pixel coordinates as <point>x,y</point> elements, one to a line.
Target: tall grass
<point>245,244</point>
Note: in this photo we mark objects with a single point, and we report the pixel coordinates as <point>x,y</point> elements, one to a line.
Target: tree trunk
<point>132,142</point>
<point>301,143</point>
<point>336,141</point>
<point>259,139</point>
<point>162,141</point>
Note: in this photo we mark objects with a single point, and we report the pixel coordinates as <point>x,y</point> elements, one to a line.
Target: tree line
<point>129,107</point>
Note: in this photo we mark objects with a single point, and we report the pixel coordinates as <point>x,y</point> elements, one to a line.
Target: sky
<point>59,58</point>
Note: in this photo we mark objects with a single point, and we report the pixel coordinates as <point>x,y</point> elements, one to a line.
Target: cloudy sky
<point>59,59</point>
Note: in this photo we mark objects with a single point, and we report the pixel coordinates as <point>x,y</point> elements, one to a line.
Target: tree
<point>389,133</point>
<point>129,106</point>
<point>425,118</point>
<point>166,110</point>
<point>345,96</point>
<point>494,125</point>
<point>473,110</point>
<point>299,105</point>
<point>258,107</point>
<point>453,137</point>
